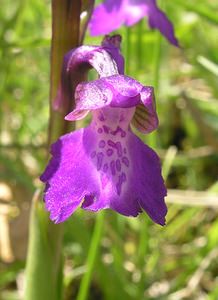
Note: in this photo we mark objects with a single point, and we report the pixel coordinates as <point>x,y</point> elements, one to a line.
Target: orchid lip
<point>112,165</point>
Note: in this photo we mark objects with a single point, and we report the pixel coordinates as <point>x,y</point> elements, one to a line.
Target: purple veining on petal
<point>145,117</point>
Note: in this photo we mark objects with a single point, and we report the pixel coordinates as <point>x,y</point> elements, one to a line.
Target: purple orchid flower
<point>112,14</point>
<point>105,165</point>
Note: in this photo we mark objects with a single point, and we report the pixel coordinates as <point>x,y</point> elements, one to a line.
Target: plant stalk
<point>44,260</point>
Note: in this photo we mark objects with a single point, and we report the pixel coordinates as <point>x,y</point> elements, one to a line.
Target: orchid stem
<point>44,260</point>
<point>43,270</point>
<point>93,252</point>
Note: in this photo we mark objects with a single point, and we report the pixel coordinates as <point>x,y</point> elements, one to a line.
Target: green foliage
<point>132,258</point>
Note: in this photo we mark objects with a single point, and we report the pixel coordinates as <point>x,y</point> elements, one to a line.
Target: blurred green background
<point>137,259</point>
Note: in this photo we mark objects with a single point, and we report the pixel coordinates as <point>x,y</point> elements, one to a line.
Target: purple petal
<point>126,85</point>
<point>145,117</point>
<point>70,174</point>
<point>158,19</point>
<point>116,91</point>
<point>108,169</point>
<point>134,11</point>
<point>76,64</point>
<point>112,14</point>
<point>106,17</point>
<point>90,96</point>
<point>146,179</point>
<point>92,56</point>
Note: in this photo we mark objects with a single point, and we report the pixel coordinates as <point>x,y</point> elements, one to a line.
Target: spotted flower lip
<point>112,14</point>
<point>105,165</point>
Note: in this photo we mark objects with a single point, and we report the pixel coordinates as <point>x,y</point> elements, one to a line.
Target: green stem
<point>143,249</point>
<point>65,36</point>
<point>44,260</point>
<point>93,252</point>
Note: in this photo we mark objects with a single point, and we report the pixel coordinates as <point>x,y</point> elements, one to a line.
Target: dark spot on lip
<point>102,144</point>
<point>125,161</point>
<point>100,157</point>
<point>118,165</point>
<point>112,166</point>
<point>106,129</point>
<point>121,180</point>
<point>109,152</point>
